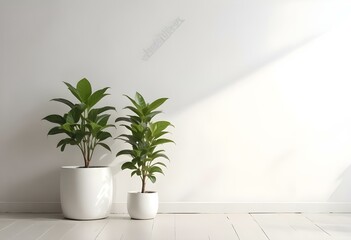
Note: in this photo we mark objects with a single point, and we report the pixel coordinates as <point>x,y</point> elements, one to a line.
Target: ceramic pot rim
<point>138,192</point>
<point>82,167</point>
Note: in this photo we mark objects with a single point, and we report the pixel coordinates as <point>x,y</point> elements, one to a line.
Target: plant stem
<point>143,183</point>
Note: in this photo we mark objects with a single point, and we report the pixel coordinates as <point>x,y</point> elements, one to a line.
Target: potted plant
<point>85,191</point>
<point>144,137</point>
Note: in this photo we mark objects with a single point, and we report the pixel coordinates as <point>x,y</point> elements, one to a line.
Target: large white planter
<point>86,193</point>
<point>142,205</point>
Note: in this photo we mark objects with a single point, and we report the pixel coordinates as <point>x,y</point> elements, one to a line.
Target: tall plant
<point>145,136</point>
<point>83,125</point>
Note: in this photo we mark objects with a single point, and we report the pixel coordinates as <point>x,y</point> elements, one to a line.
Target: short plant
<point>83,125</point>
<point>145,136</point>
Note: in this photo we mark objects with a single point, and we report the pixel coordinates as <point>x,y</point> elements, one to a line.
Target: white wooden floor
<point>180,227</point>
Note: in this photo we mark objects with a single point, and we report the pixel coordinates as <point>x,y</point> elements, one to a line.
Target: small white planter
<point>86,193</point>
<point>142,205</point>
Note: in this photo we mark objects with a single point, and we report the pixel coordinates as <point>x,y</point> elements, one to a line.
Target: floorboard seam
<point>71,229</point>
<point>175,228</point>
<point>233,227</point>
<point>259,226</point>
<point>41,235</point>
<point>8,226</point>
<point>102,229</point>
<point>317,225</point>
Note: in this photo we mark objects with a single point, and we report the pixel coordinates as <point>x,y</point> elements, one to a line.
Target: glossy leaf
<point>65,101</point>
<point>74,115</point>
<point>94,113</point>
<point>162,141</point>
<point>152,114</point>
<point>96,97</point>
<point>84,89</point>
<point>155,169</point>
<point>133,173</point>
<point>159,163</point>
<point>155,104</point>
<point>135,110</point>
<point>55,130</point>
<point>54,118</point>
<point>125,152</point>
<point>140,99</point>
<point>103,120</point>
<point>128,165</point>
<point>73,91</point>
<point>67,127</point>
<point>152,179</point>
<point>104,146</point>
<point>158,155</point>
<point>101,136</point>
<point>125,119</point>
<point>159,126</point>
<point>63,147</point>
<point>133,101</point>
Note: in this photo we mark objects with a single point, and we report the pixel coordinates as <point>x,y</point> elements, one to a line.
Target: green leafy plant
<point>145,136</point>
<point>83,125</point>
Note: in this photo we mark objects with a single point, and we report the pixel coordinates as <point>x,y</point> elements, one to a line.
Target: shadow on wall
<point>209,87</point>
<point>33,161</point>
<point>343,191</point>
<point>32,166</point>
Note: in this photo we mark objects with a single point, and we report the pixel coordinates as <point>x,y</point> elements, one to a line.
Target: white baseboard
<point>205,207</point>
<point>30,207</point>
<point>193,207</point>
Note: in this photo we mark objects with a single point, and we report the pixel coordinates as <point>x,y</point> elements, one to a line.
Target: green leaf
<point>96,97</point>
<point>103,109</point>
<point>134,102</point>
<point>128,165</point>
<point>160,134</point>
<point>135,119</point>
<point>159,163</point>
<point>79,135</point>
<point>65,101</point>
<point>155,169</point>
<point>136,111</point>
<point>70,119</point>
<point>74,91</point>
<point>101,136</point>
<point>74,115</point>
<point>55,130</point>
<point>95,128</point>
<point>125,152</point>
<point>155,104</point>
<point>67,127</point>
<point>132,174</point>
<point>84,89</point>
<point>63,147</point>
<point>162,141</point>
<point>154,156</point>
<point>104,145</point>
<point>152,179</point>
<point>103,120</point>
<point>125,119</point>
<point>108,126</point>
<point>159,126</point>
<point>54,118</point>
<point>152,114</point>
<point>65,141</point>
<point>140,100</point>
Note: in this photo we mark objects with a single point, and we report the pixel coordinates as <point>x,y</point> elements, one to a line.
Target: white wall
<point>259,94</point>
